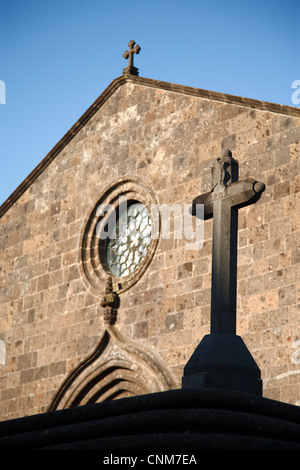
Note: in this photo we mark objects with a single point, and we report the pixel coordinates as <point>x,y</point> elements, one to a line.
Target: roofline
<point>114,85</point>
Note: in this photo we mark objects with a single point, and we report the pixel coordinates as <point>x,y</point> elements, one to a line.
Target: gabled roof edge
<point>114,85</point>
<point>217,96</point>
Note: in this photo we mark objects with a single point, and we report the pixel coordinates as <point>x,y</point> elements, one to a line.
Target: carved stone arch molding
<point>117,368</point>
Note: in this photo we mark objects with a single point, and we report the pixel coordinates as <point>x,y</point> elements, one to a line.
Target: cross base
<point>222,361</point>
<point>131,70</point>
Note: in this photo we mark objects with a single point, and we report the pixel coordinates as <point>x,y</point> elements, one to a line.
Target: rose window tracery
<point>129,240</point>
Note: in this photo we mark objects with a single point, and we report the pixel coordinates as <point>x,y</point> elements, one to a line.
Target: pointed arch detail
<point>117,368</point>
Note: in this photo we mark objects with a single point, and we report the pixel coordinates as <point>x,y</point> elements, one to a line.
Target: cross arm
<point>245,192</point>
<point>238,194</point>
<point>208,202</point>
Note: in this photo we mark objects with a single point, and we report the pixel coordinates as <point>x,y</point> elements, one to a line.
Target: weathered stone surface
<point>168,137</point>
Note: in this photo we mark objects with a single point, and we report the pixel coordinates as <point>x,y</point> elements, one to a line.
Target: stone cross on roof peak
<point>133,49</point>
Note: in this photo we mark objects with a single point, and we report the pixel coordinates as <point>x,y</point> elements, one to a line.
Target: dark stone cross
<point>222,360</point>
<point>129,54</point>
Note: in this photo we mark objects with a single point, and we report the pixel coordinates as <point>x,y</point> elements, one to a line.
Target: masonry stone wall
<point>51,320</point>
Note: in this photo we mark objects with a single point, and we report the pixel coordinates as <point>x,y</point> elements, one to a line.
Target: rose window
<point>129,240</point>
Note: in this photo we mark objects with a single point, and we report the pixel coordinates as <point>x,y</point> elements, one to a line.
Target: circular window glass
<point>129,239</point>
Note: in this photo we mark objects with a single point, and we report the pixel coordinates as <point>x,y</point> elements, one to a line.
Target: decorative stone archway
<point>117,368</point>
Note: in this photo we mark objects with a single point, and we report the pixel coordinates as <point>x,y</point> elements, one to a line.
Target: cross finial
<point>225,170</point>
<point>133,49</point>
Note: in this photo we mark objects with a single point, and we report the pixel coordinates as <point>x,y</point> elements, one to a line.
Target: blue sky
<point>57,56</point>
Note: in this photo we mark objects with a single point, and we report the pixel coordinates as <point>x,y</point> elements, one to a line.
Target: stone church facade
<point>83,320</point>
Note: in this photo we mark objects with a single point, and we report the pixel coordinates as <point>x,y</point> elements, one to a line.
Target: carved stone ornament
<point>110,303</point>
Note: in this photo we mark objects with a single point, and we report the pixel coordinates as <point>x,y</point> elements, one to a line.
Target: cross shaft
<point>222,203</point>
